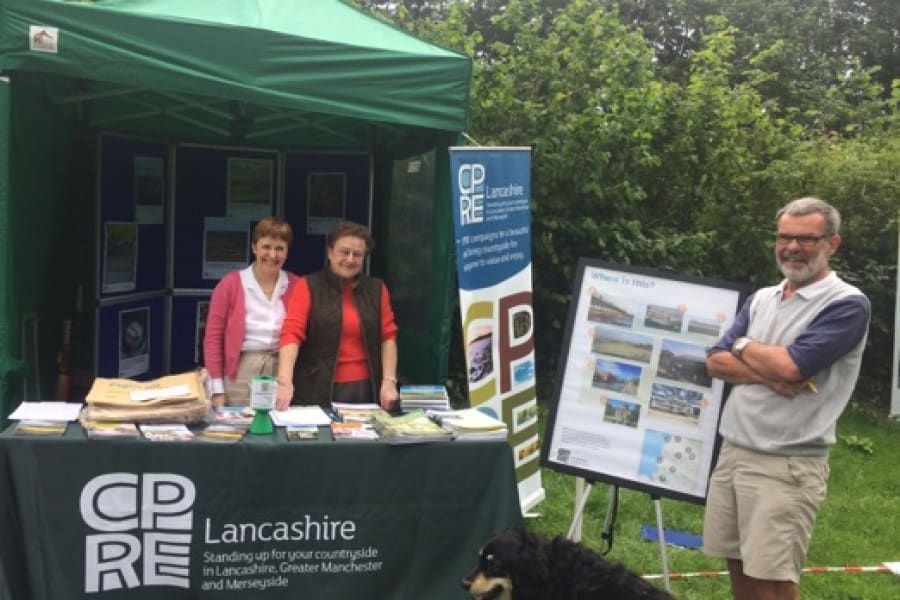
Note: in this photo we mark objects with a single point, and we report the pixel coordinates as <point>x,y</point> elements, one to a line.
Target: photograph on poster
<point>120,251</point>
<point>149,189</point>
<point>479,351</point>
<point>622,412</point>
<point>523,371</point>
<point>249,187</point>
<point>527,451</point>
<point>525,415</point>
<point>664,317</point>
<point>200,330</point>
<point>605,308</point>
<point>677,403</point>
<point>134,341</point>
<point>327,201</point>
<point>226,246</point>
<point>683,361</point>
<point>634,404</point>
<point>616,376</point>
<point>711,328</point>
<point>622,344</point>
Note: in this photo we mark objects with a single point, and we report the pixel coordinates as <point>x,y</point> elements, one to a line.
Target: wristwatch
<point>738,348</point>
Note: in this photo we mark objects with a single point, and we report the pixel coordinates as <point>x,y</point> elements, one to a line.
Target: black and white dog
<point>520,565</point>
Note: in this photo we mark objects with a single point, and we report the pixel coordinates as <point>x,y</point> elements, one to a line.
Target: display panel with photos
<point>633,403</point>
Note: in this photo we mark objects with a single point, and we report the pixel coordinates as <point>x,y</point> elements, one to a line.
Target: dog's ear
<point>529,569</point>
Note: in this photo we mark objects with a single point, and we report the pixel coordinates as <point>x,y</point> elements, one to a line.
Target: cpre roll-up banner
<point>492,222</point>
<point>895,381</point>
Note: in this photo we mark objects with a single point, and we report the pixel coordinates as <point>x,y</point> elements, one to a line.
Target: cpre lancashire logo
<point>141,520</point>
<point>470,179</point>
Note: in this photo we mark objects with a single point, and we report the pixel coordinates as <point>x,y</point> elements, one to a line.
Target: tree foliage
<point>666,133</point>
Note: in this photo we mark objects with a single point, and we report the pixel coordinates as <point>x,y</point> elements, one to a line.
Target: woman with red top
<point>246,311</point>
<point>338,341</point>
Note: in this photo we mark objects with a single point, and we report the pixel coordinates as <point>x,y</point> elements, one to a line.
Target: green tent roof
<point>216,63</point>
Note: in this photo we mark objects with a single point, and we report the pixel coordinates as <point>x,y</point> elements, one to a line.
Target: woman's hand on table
<point>388,396</point>
<point>284,393</point>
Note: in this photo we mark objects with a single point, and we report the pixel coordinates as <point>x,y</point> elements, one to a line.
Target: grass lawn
<point>859,523</point>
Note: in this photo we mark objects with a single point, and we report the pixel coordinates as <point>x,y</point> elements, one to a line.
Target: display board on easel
<point>633,403</point>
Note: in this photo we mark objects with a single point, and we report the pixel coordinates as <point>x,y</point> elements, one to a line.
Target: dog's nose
<point>466,583</point>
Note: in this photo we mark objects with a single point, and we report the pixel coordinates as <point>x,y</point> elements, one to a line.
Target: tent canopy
<point>319,71</point>
<point>318,75</point>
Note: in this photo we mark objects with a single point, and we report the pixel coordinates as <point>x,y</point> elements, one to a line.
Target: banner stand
<point>583,489</point>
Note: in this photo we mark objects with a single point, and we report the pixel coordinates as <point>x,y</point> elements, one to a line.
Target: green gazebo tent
<point>319,75</point>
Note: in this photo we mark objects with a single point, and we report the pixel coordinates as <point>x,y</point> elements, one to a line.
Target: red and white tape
<point>892,567</point>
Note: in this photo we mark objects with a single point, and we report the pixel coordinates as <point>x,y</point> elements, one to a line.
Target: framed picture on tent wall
<point>633,403</point>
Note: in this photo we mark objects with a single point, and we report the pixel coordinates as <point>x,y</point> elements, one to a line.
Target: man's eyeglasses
<point>347,253</point>
<point>806,241</point>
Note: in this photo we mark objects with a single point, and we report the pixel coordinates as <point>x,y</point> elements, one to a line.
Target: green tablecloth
<point>264,518</point>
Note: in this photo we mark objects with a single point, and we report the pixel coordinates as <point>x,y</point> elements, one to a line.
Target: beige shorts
<point>237,392</point>
<point>761,509</point>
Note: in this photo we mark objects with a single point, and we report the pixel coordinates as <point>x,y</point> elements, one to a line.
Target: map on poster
<point>634,404</point>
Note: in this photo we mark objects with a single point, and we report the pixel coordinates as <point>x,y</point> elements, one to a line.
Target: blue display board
<point>320,189</point>
<point>188,326</point>
<point>132,212</point>
<point>131,338</point>
<point>236,188</point>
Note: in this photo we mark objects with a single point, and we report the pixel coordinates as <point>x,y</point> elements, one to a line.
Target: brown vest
<point>317,357</point>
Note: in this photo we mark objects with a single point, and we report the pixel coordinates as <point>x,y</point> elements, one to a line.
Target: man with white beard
<point>793,355</point>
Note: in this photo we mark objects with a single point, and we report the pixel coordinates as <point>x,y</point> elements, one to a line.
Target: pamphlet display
<point>633,402</point>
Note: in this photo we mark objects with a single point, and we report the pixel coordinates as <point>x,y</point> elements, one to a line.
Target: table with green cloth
<point>263,518</point>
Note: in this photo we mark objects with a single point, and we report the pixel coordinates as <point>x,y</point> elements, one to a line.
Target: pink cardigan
<point>226,323</point>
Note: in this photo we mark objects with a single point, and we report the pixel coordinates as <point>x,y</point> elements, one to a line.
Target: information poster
<point>134,342</point>
<point>327,194</point>
<point>634,404</point>
<point>149,189</point>
<point>120,251</point>
<point>250,186</point>
<point>492,219</point>
<point>226,246</point>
